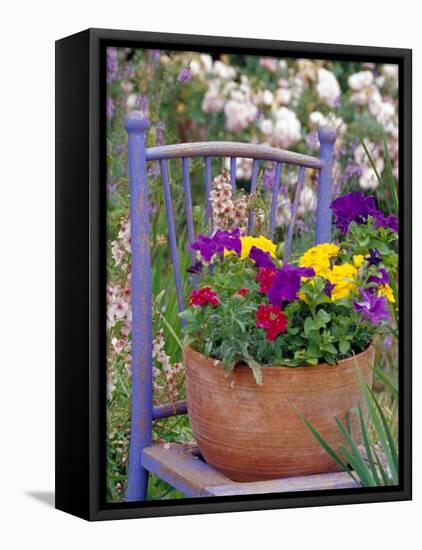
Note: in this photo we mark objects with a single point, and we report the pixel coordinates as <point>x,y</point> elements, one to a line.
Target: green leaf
<point>256,369</point>
<point>323,317</point>
<point>324,443</point>
<point>309,325</point>
<point>344,346</point>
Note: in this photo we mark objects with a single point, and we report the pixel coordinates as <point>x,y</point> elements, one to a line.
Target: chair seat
<point>182,466</point>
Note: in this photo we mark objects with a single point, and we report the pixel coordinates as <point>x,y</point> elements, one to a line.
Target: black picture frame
<point>80,273</point>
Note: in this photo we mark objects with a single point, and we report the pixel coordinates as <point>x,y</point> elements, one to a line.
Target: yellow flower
<point>387,291</point>
<point>318,257</point>
<point>358,260</point>
<point>260,242</point>
<point>342,276</point>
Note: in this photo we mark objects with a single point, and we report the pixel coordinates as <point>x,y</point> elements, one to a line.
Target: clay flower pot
<point>251,432</point>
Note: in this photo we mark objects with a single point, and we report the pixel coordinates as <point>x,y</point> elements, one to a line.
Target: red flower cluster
<point>242,292</point>
<point>272,319</point>
<point>265,278</point>
<point>203,296</point>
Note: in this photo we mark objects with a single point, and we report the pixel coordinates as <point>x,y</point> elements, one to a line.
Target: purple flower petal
<point>352,207</point>
<point>286,283</point>
<point>208,246</point>
<point>261,258</point>
<point>372,308</point>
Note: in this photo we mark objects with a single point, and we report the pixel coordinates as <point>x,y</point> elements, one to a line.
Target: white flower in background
<point>131,101</point>
<point>267,127</point>
<point>386,113</point>
<point>391,71</point>
<point>307,201</point>
<point>328,88</point>
<point>268,98</point>
<point>116,252</point>
<point>282,65</point>
<point>239,114</point>
<point>127,86</point>
<point>368,179</point>
<point>317,119</point>
<point>287,128</point>
<point>284,95</point>
<point>195,67</point>
<point>213,101</point>
<point>201,66</point>
<point>361,80</point>
<point>110,386</point>
<point>223,71</point>
<point>380,81</point>
<point>206,61</point>
<point>284,211</point>
<point>307,69</point>
<point>269,63</point>
<point>243,168</point>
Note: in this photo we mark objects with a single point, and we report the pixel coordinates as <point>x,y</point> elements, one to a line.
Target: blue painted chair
<point>181,465</point>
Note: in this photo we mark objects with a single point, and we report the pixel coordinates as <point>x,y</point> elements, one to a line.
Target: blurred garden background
<point>189,96</point>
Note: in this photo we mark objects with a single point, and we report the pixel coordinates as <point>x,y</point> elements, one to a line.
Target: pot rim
<point>217,363</point>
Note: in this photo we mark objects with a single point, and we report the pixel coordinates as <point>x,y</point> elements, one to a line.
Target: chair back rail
<point>139,155</point>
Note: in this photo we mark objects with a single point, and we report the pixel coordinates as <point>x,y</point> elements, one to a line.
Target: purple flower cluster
<point>356,207</point>
<point>142,103</point>
<point>112,65</point>
<point>185,75</point>
<point>208,246</point>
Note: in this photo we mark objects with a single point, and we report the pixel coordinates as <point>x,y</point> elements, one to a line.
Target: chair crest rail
<point>231,149</point>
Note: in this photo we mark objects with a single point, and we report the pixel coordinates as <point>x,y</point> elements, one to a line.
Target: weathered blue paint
<point>254,182</point>
<point>141,422</point>
<point>172,235</point>
<point>188,204</point>
<point>182,467</point>
<point>327,138</point>
<point>274,198</point>
<point>290,229</point>
<point>187,472</point>
<point>233,172</point>
<point>208,175</point>
<point>170,409</point>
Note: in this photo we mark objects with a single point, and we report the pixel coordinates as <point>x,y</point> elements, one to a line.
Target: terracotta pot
<point>251,433</point>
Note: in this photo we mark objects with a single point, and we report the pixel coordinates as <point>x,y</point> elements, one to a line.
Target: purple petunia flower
<point>261,258</point>
<point>353,207</point>
<point>208,246</point>
<point>328,288</point>
<point>372,308</point>
<point>374,257</point>
<point>185,75</point>
<point>286,283</point>
<point>390,222</point>
<point>383,278</point>
<point>196,268</point>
